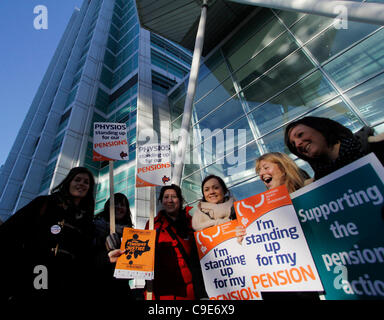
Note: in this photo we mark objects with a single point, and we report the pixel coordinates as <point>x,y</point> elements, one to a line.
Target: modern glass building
<point>105,69</point>
<point>273,68</point>
<point>262,68</point>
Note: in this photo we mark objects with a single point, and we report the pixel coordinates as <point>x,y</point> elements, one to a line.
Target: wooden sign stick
<point>112,226</point>
<point>151,227</point>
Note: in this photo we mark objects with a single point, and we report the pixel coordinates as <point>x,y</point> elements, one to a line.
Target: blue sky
<point>24,57</point>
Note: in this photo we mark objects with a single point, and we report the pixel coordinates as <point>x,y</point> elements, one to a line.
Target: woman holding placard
<point>276,169</point>
<point>48,244</point>
<point>123,218</point>
<point>118,289</point>
<point>177,267</point>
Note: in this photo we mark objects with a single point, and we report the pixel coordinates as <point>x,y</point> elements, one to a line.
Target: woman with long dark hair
<point>216,205</point>
<point>48,244</point>
<point>116,289</point>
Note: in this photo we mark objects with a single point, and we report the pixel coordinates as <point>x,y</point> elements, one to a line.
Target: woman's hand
<point>114,255</point>
<point>240,233</point>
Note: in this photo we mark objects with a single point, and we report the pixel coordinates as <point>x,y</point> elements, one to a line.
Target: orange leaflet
<point>139,253</point>
<point>252,208</point>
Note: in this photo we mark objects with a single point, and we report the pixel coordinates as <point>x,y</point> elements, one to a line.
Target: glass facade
<point>275,68</point>
<point>116,95</point>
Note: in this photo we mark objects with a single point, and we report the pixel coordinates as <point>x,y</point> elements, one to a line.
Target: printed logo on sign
<point>165,179</point>
<point>252,208</point>
<point>208,238</point>
<point>135,247</point>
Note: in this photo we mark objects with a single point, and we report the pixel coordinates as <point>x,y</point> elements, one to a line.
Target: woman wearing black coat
<point>47,246</point>
<point>116,290</point>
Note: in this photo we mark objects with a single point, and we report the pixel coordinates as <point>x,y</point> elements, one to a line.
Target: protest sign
<point>223,264</point>
<point>342,218</point>
<point>153,165</point>
<point>109,141</point>
<point>110,144</point>
<point>139,255</point>
<point>275,246</point>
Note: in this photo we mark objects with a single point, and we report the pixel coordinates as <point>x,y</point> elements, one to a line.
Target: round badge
<point>55,229</point>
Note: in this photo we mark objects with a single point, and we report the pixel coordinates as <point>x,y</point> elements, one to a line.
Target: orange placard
<point>139,254</point>
<point>209,238</point>
<point>252,208</point>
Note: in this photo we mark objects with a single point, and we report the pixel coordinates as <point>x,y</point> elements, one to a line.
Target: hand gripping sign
<point>275,244</point>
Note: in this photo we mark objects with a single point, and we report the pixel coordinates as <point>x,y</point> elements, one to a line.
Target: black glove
<point>113,242</point>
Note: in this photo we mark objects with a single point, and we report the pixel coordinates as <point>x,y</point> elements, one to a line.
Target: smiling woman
<point>327,145</point>
<point>216,206</point>
<point>177,267</point>
<point>56,232</point>
<point>276,169</point>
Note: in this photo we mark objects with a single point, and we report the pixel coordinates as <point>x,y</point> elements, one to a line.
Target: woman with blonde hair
<point>276,169</point>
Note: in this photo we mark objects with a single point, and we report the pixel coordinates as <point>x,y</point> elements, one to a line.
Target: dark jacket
<point>53,233</point>
<point>116,290</point>
<point>177,267</point>
<point>352,148</point>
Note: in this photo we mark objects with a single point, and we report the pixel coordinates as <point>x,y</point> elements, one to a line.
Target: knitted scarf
<point>350,150</point>
<point>217,210</point>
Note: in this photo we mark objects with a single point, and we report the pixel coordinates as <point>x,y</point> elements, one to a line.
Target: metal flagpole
<point>367,12</point>
<point>193,75</point>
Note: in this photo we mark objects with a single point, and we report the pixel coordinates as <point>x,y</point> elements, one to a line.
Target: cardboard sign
<point>153,165</point>
<point>224,264</point>
<point>275,243</point>
<point>110,141</point>
<point>139,255</point>
<point>273,257</point>
<point>342,218</point>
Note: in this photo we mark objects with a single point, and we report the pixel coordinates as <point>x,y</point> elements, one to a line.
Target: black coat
<point>52,233</point>
<point>110,288</point>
